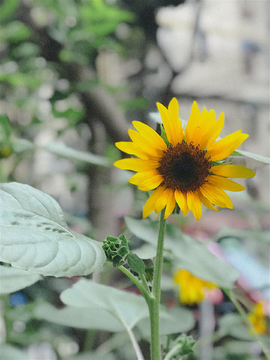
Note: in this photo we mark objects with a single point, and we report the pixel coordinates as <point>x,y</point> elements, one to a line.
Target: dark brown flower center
<point>184,167</point>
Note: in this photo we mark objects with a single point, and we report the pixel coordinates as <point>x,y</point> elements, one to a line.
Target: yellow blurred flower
<point>183,166</point>
<point>258,319</point>
<point>192,290</point>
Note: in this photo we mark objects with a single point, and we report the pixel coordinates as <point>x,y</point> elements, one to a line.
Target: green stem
<point>155,301</point>
<point>247,321</point>
<point>143,287</point>
<point>173,351</point>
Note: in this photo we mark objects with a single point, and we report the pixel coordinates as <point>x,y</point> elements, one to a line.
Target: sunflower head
<point>183,168</point>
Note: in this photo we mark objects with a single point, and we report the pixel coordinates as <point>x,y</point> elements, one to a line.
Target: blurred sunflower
<point>258,318</point>
<point>192,290</point>
<point>183,167</point>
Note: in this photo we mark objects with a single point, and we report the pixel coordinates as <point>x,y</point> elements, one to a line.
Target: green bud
<point>187,343</point>
<point>116,249</point>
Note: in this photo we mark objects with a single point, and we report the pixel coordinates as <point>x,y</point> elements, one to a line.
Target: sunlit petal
<point>206,202</point>
<point>150,203</point>
<point>181,200</point>
<point>130,148</point>
<point>233,171</point>
<point>136,164</point>
<point>193,202</point>
<point>143,144</point>
<point>216,196</point>
<point>226,146</point>
<point>172,124</point>
<point>150,135</point>
<point>225,184</point>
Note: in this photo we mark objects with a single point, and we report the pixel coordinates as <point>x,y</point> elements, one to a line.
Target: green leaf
<point>190,254</point>
<point>79,317</point>
<point>15,31</point>
<point>7,8</point>
<point>176,320</point>
<point>9,352</point>
<point>126,307</point>
<point>62,150</point>
<point>12,279</point>
<point>35,236</point>
<point>250,155</point>
<point>135,263</point>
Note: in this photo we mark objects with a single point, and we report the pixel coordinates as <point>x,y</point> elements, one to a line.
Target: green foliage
<point>13,279</point>
<point>116,249</point>
<point>188,253</point>
<point>36,237</point>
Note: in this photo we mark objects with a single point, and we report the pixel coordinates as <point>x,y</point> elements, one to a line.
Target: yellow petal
<point>136,164</point>
<point>170,204</point>
<point>130,148</point>
<point>144,145</point>
<point>225,147</point>
<point>225,184</point>
<point>192,123</point>
<point>171,122</point>
<point>150,203</point>
<point>194,203</point>
<point>216,196</point>
<point>211,131</point>
<point>233,171</point>
<point>205,201</point>
<point>161,201</point>
<point>181,200</point>
<point>142,176</point>
<point>151,183</point>
<point>176,124</point>
<point>150,135</point>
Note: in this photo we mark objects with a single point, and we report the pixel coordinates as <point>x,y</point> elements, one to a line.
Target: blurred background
<point>75,73</point>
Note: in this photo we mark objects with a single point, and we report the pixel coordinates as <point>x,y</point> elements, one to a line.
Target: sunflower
<point>183,167</point>
<point>258,318</point>
<point>192,290</point>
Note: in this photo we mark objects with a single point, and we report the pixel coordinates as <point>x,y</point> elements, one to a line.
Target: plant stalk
<point>154,302</point>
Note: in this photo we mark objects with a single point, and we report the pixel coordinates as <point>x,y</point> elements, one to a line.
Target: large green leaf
<point>128,308</point>
<point>189,253</point>
<point>12,279</point>
<point>35,236</point>
<point>79,317</point>
<point>176,320</point>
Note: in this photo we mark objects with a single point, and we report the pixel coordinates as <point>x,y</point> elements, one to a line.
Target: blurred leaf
<point>126,307</point>
<point>5,128</point>
<point>20,79</point>
<point>92,356</point>
<point>21,145</point>
<point>79,317</point>
<point>227,231</point>
<point>176,320</point>
<point>26,49</point>
<point>14,31</point>
<point>190,254</point>
<point>138,103</point>
<point>7,8</point>
<point>35,236</point>
<point>9,352</point>
<point>12,279</point>
<point>67,152</point>
<point>250,155</point>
